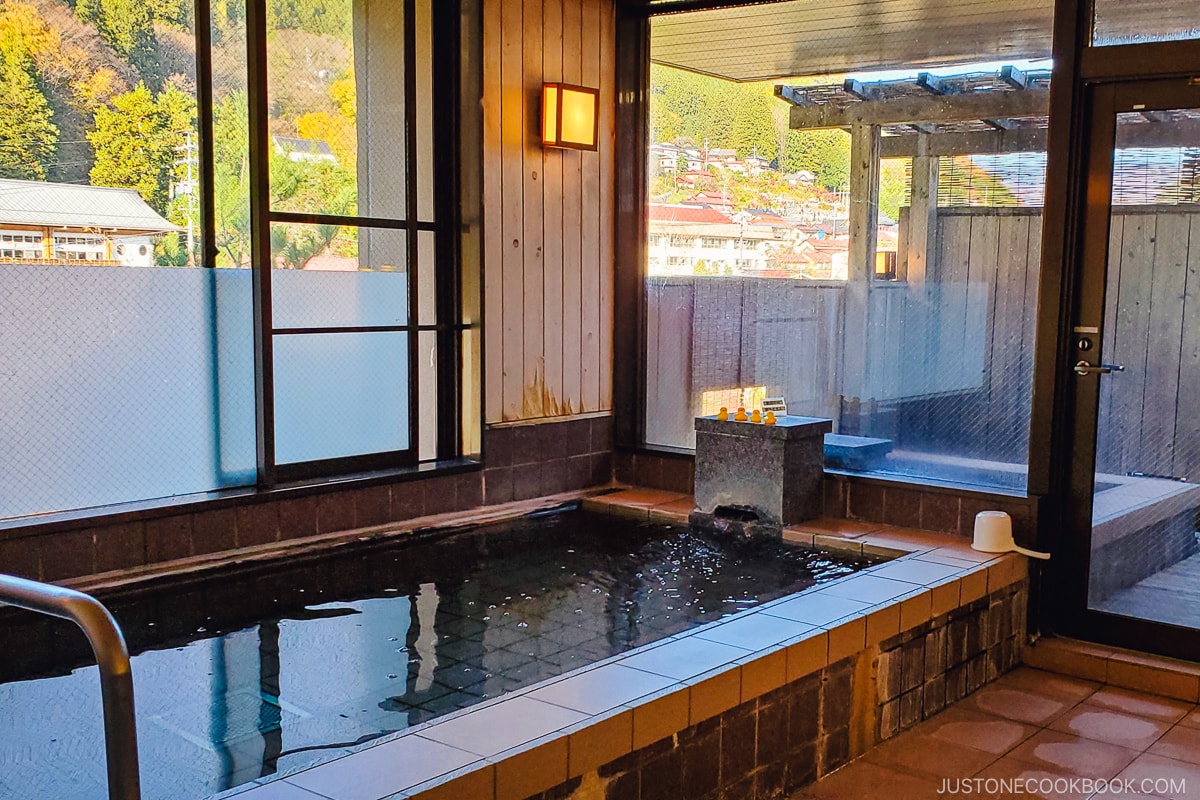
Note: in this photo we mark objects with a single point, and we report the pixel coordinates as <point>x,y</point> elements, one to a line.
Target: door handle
<point>1084,368</point>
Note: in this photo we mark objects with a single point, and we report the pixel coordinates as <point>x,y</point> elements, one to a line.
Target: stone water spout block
<point>774,471</point>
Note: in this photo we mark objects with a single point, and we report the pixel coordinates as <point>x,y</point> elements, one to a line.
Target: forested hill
<point>63,63</point>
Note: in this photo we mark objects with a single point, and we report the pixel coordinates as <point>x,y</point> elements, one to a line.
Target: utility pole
<point>191,156</point>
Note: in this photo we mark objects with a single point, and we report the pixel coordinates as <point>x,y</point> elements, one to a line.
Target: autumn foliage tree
<point>138,138</point>
<point>28,135</point>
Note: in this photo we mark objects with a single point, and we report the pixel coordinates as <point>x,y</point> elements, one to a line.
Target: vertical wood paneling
<point>573,296</point>
<point>590,226</point>
<point>548,214</point>
<point>512,138</point>
<point>533,360</point>
<point>1164,337</point>
<point>552,225</point>
<point>493,217</point>
<point>608,198</point>
<point>1108,456</point>
<point>1133,324</point>
<point>1187,430</point>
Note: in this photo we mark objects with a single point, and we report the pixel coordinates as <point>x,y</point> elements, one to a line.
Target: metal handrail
<point>116,677</point>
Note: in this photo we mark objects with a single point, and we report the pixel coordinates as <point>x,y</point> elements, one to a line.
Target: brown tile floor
<point>1048,730</point>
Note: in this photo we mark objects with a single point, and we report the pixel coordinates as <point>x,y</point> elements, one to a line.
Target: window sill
<point>227,498</point>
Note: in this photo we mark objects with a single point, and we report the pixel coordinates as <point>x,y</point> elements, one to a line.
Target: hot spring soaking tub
<point>267,669</point>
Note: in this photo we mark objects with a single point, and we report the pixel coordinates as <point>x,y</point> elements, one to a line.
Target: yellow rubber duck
<point>756,417</point>
<point>740,416</point>
<point>769,419</point>
<point>723,414</point>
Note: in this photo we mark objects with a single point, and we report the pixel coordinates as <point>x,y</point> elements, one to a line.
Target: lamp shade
<point>569,116</point>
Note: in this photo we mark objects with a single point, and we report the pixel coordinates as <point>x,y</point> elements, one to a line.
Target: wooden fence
<point>949,365</point>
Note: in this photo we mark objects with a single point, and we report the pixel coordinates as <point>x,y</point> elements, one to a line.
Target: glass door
<point>1136,468</point>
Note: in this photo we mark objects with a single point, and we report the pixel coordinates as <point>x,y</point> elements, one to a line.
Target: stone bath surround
<point>752,706</point>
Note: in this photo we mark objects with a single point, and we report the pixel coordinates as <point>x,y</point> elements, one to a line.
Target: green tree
<point>893,186</point>
<point>127,25</point>
<point>231,195</point>
<point>138,139</point>
<point>171,251</point>
<point>28,135</point>
<point>753,128</point>
<point>327,17</point>
<point>825,153</point>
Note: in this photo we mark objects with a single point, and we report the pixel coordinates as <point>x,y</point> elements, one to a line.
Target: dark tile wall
<point>765,748</point>
<point>666,471</point>
<point>521,462</point>
<point>923,670</point>
<point>928,508</point>
<point>852,497</point>
<point>772,746</point>
<point>527,461</point>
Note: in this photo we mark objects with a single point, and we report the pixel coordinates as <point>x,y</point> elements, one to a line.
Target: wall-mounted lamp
<point>570,116</point>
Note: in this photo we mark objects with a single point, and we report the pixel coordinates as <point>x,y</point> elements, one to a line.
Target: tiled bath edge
<point>860,659</point>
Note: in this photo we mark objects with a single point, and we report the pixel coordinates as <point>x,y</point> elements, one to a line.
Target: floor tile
<point>383,770</point>
<point>754,632</point>
<point>1192,720</point>
<point>601,689</point>
<point>1104,725</point>
<point>684,658</point>
<point>1058,687</point>
<point>1141,705</point>
<point>816,608</point>
<point>1018,704</point>
<point>1034,782</point>
<point>278,790</point>
<point>499,727</point>
<point>985,732</point>
<point>1158,773</point>
<point>865,781</point>
<point>1181,743</point>
<point>921,754</point>
<point>1061,752</point>
<point>868,589</point>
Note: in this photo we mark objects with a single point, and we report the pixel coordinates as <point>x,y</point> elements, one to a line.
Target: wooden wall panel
<point>548,214</point>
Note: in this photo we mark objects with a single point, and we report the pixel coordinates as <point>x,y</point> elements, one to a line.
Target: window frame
<point>448,328</point>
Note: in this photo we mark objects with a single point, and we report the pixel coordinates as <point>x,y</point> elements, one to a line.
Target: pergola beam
<point>1177,133</point>
<point>863,92</point>
<point>1019,140</point>
<point>934,109</point>
<point>939,86</point>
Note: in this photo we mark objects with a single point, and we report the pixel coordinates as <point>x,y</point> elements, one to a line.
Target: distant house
<point>63,223</point>
<point>756,164</point>
<point>664,158</point>
<point>695,177</point>
<point>297,149</point>
<point>721,202</point>
<point>823,258</point>
<point>700,240</point>
<point>801,177</point>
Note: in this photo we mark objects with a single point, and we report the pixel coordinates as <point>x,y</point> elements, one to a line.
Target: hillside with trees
<point>103,92</point>
<point>693,110</point>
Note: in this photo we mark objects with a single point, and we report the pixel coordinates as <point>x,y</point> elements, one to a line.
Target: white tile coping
<point>441,757</point>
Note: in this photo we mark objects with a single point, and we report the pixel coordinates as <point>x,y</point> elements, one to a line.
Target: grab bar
<point>116,677</point>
